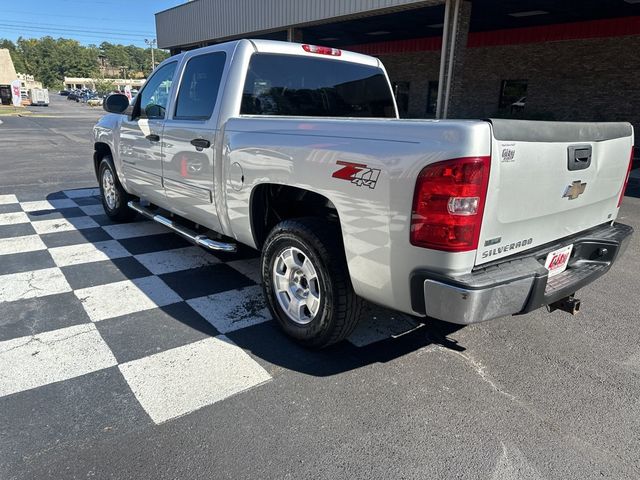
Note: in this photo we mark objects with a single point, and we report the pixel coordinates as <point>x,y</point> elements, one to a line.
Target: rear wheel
<point>307,284</point>
<point>114,197</point>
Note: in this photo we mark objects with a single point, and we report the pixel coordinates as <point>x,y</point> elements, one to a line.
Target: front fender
<point>107,133</point>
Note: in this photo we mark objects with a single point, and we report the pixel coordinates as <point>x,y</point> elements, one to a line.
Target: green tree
<point>104,86</point>
<point>50,59</point>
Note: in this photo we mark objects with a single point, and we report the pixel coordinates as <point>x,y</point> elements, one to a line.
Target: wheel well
<point>272,203</point>
<point>100,150</point>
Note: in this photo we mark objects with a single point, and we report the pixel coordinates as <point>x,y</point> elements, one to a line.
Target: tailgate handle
<point>579,157</point>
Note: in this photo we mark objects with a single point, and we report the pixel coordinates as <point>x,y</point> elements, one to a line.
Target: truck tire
<point>114,197</point>
<point>306,282</point>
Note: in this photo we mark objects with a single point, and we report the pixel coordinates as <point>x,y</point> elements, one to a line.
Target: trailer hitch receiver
<point>568,304</point>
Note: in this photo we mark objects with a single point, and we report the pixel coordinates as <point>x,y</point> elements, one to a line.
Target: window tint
<point>305,86</point>
<point>155,94</point>
<point>200,85</point>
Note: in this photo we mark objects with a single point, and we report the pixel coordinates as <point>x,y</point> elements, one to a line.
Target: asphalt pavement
<point>111,368</point>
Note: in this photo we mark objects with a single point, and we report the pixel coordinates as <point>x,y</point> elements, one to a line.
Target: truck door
<point>141,133</point>
<point>188,141</point>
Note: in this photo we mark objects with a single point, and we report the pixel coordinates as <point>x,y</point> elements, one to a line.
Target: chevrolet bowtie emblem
<point>574,190</point>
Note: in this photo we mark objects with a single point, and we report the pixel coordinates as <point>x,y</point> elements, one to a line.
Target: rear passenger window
<point>308,86</point>
<point>199,87</point>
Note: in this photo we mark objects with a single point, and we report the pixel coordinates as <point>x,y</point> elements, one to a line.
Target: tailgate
<point>550,180</point>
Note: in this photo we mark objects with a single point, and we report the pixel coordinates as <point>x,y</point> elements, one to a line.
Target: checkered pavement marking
<point>33,361</point>
<point>6,199</point>
<point>82,296</point>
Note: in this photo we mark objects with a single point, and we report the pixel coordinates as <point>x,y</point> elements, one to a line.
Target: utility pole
<point>151,44</point>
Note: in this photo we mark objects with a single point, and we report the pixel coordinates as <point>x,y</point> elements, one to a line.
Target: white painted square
<point>175,260</point>
<point>7,199</point>
<point>45,205</point>
<point>184,379</point>
<point>249,268</point>
<point>128,296</point>
<point>63,224</point>
<point>93,209</point>
<point>34,361</point>
<point>137,229</point>
<point>36,283</point>
<point>28,243</point>
<point>379,324</point>
<point>233,310</point>
<point>82,192</point>
<point>13,218</point>
<point>88,252</point>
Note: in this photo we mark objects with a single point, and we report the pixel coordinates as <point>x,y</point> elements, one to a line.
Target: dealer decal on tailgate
<point>357,173</point>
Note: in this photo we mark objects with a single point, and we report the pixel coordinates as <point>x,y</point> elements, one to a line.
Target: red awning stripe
<point>611,27</point>
<point>398,46</point>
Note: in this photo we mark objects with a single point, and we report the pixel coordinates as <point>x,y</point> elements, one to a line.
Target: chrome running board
<point>196,238</point>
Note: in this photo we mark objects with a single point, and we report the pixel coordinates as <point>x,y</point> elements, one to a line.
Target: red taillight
<point>322,50</point>
<point>626,179</point>
<point>448,204</point>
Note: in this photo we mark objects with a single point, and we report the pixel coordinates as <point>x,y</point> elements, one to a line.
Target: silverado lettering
<point>507,248</point>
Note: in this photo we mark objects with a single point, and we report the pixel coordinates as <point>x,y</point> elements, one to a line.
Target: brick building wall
<point>578,80</point>
<point>417,68</point>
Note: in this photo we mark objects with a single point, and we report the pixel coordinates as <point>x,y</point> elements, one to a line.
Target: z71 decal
<point>357,173</point>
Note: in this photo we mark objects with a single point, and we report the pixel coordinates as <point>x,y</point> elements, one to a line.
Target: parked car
<point>64,93</point>
<point>258,143</point>
<point>95,101</point>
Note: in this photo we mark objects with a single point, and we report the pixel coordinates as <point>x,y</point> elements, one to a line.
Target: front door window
<point>152,101</point>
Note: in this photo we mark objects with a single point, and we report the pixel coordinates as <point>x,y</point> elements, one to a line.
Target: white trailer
<point>39,96</point>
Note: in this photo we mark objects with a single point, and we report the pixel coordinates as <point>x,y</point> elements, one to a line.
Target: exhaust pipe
<point>568,304</point>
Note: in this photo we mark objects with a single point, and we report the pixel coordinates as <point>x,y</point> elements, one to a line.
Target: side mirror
<point>116,103</point>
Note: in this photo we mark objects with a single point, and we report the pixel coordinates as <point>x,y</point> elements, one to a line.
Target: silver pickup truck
<point>298,151</point>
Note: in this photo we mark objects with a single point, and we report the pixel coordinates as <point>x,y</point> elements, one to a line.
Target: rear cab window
<point>292,85</point>
<point>199,86</point>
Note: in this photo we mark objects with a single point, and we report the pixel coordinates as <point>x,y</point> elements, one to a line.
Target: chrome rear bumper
<point>519,285</point>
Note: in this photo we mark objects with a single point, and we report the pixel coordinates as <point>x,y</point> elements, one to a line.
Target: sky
<point>95,21</point>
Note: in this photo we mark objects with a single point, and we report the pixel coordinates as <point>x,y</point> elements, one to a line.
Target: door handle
<point>153,137</point>
<point>200,143</point>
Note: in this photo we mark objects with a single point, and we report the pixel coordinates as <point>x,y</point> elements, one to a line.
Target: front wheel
<point>307,284</point>
<point>114,197</point>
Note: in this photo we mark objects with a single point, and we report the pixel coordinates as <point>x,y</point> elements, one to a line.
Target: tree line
<point>50,59</point>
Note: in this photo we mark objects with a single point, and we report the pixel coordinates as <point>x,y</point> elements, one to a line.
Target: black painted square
<point>42,314</point>
<point>140,334</point>
<point>107,271</point>
<point>154,243</point>
<point>202,281</point>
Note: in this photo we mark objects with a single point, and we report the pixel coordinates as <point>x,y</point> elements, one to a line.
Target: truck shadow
<point>268,343</point>
<point>238,313</point>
